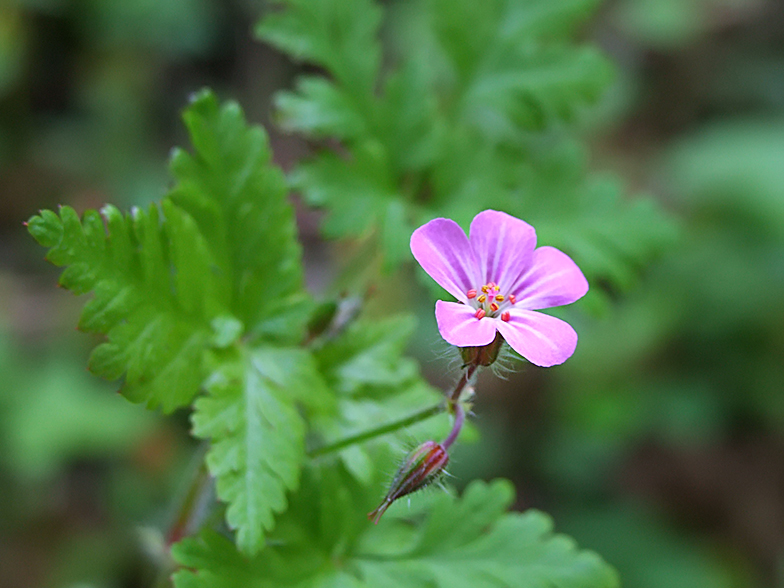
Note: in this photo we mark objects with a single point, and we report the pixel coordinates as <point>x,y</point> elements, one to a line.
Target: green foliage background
<point>651,445</point>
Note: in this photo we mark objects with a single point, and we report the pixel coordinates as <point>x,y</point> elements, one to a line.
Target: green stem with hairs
<point>449,405</point>
<point>411,419</point>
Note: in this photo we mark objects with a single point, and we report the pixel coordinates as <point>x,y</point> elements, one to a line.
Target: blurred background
<point>660,444</point>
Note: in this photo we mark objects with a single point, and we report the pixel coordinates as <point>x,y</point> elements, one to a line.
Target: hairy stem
<point>456,427</point>
<point>378,431</point>
<point>452,403</point>
<point>462,383</point>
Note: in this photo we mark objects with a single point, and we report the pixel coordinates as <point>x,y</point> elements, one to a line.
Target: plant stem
<point>452,403</point>
<point>464,380</point>
<point>378,431</point>
<point>193,505</point>
<point>456,427</point>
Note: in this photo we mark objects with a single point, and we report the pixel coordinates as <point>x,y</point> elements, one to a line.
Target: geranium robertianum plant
<point>302,422</point>
<point>305,409</point>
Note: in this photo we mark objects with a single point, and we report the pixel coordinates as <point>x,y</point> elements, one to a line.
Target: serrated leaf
<point>533,88</point>
<point>321,109</point>
<point>609,235</point>
<point>152,300</point>
<point>355,191</point>
<point>238,199</point>
<point>367,354</point>
<point>338,34</point>
<point>360,197</point>
<point>219,260</point>
<point>471,542</point>
<point>448,129</point>
<point>444,543</point>
<point>512,71</point>
<point>258,435</point>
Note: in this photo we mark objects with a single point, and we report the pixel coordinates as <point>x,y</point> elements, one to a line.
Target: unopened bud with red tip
<point>422,467</point>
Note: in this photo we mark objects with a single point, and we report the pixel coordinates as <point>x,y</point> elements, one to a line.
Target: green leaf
<point>471,542</point>
<point>258,435</point>
<point>154,295</point>
<point>368,354</point>
<point>533,88</point>
<point>450,129</point>
<point>238,200</point>
<point>511,71</point>
<point>321,109</point>
<point>360,196</point>
<point>590,217</point>
<point>217,261</point>
<point>442,542</point>
<point>338,34</point>
<point>547,20</point>
<point>355,191</point>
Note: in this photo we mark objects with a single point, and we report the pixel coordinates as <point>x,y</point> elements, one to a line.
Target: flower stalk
<point>391,427</point>
<point>456,427</point>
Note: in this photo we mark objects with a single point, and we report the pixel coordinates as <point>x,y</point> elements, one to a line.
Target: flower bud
<point>422,466</point>
<point>484,355</point>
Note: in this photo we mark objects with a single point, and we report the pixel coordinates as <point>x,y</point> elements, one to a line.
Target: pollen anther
<point>482,298</point>
<point>499,297</point>
<point>505,316</point>
<point>512,298</point>
<point>480,313</point>
<point>471,293</point>
<point>493,306</point>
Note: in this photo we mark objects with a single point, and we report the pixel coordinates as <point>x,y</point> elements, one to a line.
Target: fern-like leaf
<point>238,199</point>
<point>153,304</point>
<point>258,435</point>
<point>444,543</point>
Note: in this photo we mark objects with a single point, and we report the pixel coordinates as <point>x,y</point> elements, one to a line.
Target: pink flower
<point>500,280</point>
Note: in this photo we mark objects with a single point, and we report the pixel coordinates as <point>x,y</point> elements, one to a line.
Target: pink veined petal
<point>442,249</point>
<point>552,279</point>
<point>503,245</point>
<point>458,325</point>
<point>540,338</point>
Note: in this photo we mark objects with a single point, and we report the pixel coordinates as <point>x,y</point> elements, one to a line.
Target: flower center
<point>488,301</point>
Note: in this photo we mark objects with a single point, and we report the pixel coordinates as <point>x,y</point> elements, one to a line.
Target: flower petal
<point>503,245</point>
<point>552,279</point>
<point>540,338</point>
<point>442,249</point>
<point>458,325</point>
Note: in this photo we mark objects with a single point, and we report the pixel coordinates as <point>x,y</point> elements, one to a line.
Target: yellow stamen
<point>499,297</point>
<point>482,298</point>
